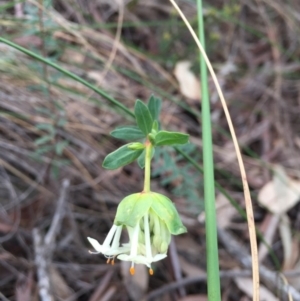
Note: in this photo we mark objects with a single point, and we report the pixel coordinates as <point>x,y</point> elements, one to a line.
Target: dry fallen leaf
<point>137,284</point>
<point>225,212</point>
<point>60,287</point>
<point>268,228</point>
<point>190,270</point>
<point>188,83</point>
<point>73,57</point>
<point>280,194</point>
<point>295,281</point>
<point>245,285</point>
<point>24,288</point>
<point>286,239</point>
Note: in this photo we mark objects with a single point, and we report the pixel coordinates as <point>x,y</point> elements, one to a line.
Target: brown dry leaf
<point>5,228</point>
<point>102,286</point>
<point>73,57</point>
<point>24,288</point>
<point>245,285</point>
<point>188,83</point>
<point>109,294</point>
<point>286,239</point>
<point>225,212</point>
<point>190,270</point>
<point>268,228</point>
<point>194,298</point>
<point>137,284</point>
<point>60,287</point>
<point>280,194</point>
<point>186,243</point>
<point>295,281</point>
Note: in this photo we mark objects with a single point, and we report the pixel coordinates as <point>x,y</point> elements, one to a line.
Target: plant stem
<point>213,273</point>
<point>148,156</point>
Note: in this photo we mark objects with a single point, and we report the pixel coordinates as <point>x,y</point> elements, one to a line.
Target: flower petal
<point>116,251</point>
<point>95,244</point>
<point>158,257</point>
<point>139,259</point>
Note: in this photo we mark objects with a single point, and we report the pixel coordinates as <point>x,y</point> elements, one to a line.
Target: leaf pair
<point>147,119</point>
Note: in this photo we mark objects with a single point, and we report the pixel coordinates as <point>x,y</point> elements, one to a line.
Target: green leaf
<point>141,160</point>
<point>55,171</point>
<point>170,138</point>
<point>155,126</point>
<point>43,111</point>
<point>143,117</point>
<point>46,127</point>
<point>127,133</point>
<point>120,157</point>
<point>43,140</point>
<point>151,137</point>
<point>44,149</point>
<point>60,146</point>
<point>154,106</point>
<point>62,122</point>
<point>133,208</point>
<point>166,210</point>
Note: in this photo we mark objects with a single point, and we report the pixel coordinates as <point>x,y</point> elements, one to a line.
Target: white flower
<point>111,245</point>
<point>150,219</point>
<point>141,252</point>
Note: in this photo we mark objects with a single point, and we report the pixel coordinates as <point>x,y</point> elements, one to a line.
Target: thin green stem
<point>213,273</point>
<point>148,156</point>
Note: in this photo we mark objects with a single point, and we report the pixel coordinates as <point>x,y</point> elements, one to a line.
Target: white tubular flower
<point>111,245</point>
<point>141,244</point>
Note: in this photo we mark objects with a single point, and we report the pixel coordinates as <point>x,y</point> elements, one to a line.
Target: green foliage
<point>121,157</point>
<point>170,170</point>
<point>127,133</point>
<point>49,142</point>
<point>154,106</point>
<point>143,117</point>
<point>147,119</point>
<point>141,160</point>
<point>169,138</point>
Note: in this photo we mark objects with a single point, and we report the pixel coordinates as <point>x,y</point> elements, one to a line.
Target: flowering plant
<point>150,218</point>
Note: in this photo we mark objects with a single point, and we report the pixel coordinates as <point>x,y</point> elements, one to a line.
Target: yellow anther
<point>108,260</point>
<point>151,272</point>
<point>113,261</point>
<point>132,271</point>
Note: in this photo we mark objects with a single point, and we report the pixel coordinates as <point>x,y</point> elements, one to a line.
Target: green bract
<point>135,206</point>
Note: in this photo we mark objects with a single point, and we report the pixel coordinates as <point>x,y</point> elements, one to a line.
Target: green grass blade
<point>67,73</point>
<point>212,255</point>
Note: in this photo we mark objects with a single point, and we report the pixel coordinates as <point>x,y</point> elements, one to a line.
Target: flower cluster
<point>150,219</point>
